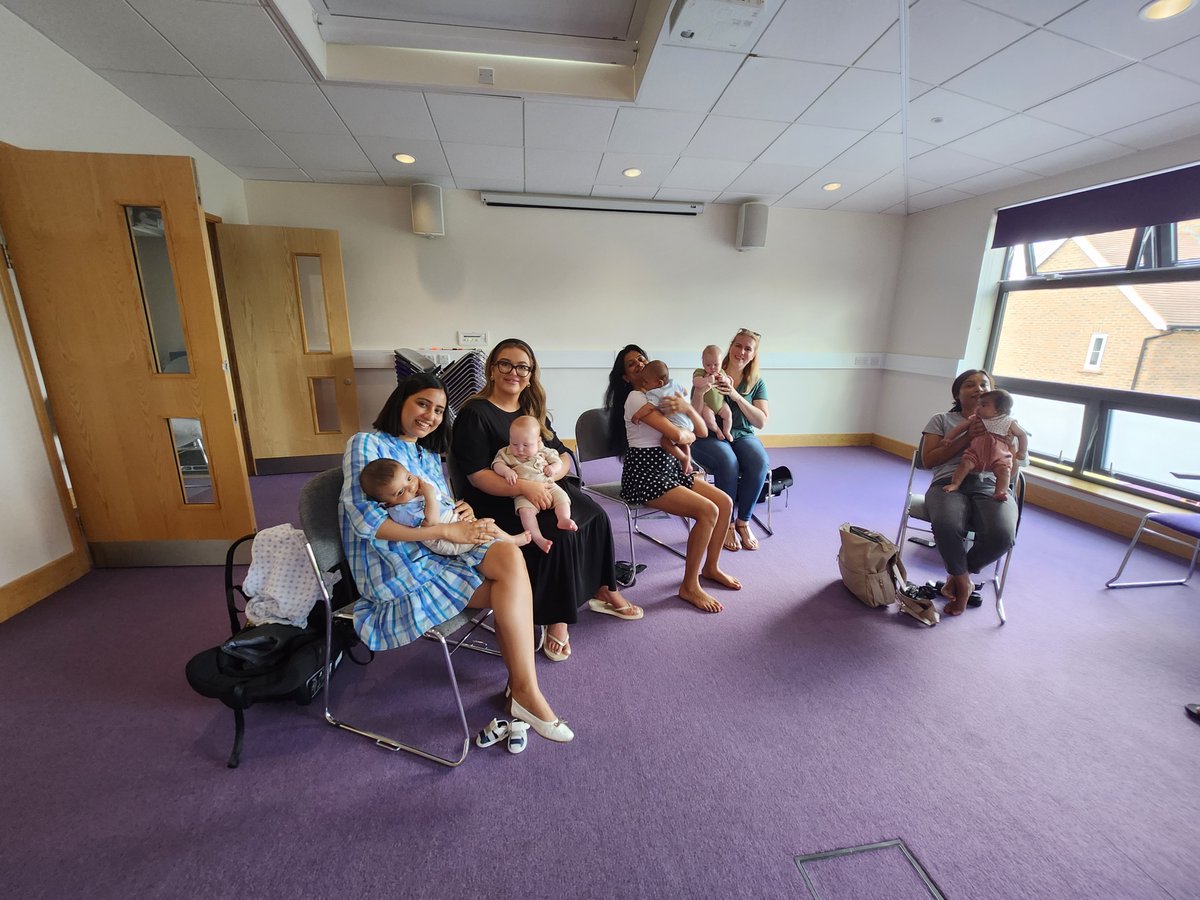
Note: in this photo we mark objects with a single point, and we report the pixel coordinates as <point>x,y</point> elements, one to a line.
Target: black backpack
<point>266,662</point>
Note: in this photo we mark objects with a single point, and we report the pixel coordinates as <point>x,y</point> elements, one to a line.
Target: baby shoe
<point>496,731</point>
<point>517,736</point>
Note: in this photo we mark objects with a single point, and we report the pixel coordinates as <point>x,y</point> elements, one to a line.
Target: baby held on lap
<point>715,409</point>
<point>655,382</point>
<point>526,457</point>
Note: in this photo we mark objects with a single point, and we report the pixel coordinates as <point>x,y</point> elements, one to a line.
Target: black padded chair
<point>319,500</point>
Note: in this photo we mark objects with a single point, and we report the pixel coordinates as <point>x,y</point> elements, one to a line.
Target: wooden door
<point>286,301</point>
<point>112,258</point>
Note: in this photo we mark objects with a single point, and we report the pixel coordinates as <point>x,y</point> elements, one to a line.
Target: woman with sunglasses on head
<point>579,567</point>
<point>739,465</point>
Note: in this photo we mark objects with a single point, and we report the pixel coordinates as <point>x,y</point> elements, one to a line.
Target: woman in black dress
<point>580,565</point>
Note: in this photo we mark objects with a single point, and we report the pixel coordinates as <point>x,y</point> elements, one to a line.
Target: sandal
<point>517,735</point>
<point>629,612</point>
<point>749,541</point>
<point>495,731</point>
<point>731,540</point>
<point>562,652</point>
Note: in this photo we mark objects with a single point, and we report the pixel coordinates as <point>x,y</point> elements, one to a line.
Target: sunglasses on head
<point>753,334</point>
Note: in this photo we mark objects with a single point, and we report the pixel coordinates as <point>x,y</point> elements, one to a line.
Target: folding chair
<point>319,500</point>
<point>591,444</point>
<point>1158,524</point>
<point>779,481</point>
<point>914,509</point>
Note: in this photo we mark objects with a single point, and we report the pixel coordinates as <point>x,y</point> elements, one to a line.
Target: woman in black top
<point>580,565</point>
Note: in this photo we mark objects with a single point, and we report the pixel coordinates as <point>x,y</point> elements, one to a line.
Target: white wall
<point>945,299</point>
<point>50,101</point>
<point>578,285</point>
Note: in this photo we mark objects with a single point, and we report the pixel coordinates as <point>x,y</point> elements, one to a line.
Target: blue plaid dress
<point>406,588</point>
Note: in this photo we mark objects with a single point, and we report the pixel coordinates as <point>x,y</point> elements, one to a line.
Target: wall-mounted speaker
<point>752,226</point>
<point>427,217</point>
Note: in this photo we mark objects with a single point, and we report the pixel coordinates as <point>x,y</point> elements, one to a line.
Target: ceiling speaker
<point>427,219</point>
<point>752,226</point>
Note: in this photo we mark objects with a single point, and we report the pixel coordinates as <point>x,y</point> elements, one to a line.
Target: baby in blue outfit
<point>656,382</point>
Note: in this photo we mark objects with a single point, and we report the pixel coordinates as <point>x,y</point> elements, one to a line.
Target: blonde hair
<point>750,373</point>
<point>523,424</point>
<point>532,401</point>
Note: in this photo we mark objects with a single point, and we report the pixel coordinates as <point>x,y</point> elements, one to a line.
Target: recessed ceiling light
<point>937,120</point>
<point>832,186</point>
<point>1157,10</point>
<point>405,158</point>
<point>632,173</point>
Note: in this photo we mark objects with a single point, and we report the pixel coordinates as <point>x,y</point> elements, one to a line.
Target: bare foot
<point>567,525</point>
<point>749,541</point>
<point>701,599</point>
<point>716,575</point>
<point>520,540</point>
<point>961,586</point>
<point>542,544</point>
<point>950,488</point>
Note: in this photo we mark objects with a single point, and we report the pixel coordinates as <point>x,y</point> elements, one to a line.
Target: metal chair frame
<point>1160,530</point>
<point>914,508</point>
<point>319,519</point>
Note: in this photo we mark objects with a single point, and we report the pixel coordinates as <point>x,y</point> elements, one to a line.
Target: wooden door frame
<point>58,573</point>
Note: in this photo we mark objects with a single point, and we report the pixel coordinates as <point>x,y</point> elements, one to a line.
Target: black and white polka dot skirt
<point>649,473</point>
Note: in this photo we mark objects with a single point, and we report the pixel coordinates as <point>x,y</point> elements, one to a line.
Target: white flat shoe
<point>552,731</point>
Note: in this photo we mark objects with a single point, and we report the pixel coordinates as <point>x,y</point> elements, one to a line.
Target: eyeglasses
<point>753,334</point>
<point>505,366</point>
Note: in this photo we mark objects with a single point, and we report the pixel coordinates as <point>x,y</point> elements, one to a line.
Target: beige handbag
<point>870,566</point>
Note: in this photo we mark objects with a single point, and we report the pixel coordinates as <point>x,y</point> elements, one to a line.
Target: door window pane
<point>1151,448</point>
<point>325,409</point>
<point>194,477</point>
<point>160,301</point>
<point>312,304</point>
<point>1054,426</point>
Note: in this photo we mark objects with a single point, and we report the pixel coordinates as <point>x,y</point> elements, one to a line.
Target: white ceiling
<point>1000,92</point>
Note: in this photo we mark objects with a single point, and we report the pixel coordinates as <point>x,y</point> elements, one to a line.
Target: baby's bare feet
<point>521,539</point>
<point>567,525</point>
<point>950,488</point>
<point>1000,495</point>
<point>541,543</point>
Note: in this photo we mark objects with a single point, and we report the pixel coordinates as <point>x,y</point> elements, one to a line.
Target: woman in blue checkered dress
<point>407,588</point>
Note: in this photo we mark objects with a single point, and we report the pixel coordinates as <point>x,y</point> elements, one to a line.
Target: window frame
<point>1151,259</point>
<point>1097,351</point>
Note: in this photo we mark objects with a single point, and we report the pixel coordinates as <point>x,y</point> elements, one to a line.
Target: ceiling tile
<point>237,146</point>
<point>689,196</point>
<point>325,176</point>
<point>810,145</point>
<point>179,99</point>
<point>737,198</point>
<point>431,161</point>
<point>1172,126</point>
<point>809,195</point>
<point>943,166</point>
<point>626,191</point>
<point>561,171</point>
<point>471,119</point>
<point>382,111</point>
<point>837,33</point>
<point>995,180</point>
<point>489,183</point>
<point>225,40</point>
<point>703,174</point>
<point>1016,138</point>
<point>1183,60</point>
<point>960,116</point>
<point>104,34</point>
<point>770,178</point>
<point>754,92</point>
<point>652,131</point>
<point>322,151</point>
<point>1033,70</point>
<point>568,126</point>
<point>1035,12</point>
<point>1117,27</point>
<point>1074,157</point>
<point>654,169</point>
<point>724,137</point>
<point>859,99</point>
<point>884,54</point>
<point>253,173</point>
<point>876,196</point>
<point>937,197</point>
<point>442,181</point>
<point>474,161</point>
<point>1120,99</point>
<point>686,79</point>
<point>280,106</point>
<point>873,156</point>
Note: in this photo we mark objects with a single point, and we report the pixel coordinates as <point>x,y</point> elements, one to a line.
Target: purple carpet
<point>1050,758</point>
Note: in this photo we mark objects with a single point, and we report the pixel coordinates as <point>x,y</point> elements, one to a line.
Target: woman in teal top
<point>740,466</point>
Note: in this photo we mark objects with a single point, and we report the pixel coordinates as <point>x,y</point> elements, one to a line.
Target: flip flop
<point>746,536</point>
<point>562,653</point>
<point>603,607</point>
<point>732,544</point>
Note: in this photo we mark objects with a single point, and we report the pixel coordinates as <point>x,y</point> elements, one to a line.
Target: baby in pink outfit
<point>991,451</point>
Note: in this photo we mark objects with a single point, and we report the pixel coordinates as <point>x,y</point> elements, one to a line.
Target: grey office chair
<point>1159,525</point>
<point>591,444</point>
<point>915,511</point>
<point>319,500</point>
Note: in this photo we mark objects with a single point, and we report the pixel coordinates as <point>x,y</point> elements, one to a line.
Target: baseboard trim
<point>32,587</point>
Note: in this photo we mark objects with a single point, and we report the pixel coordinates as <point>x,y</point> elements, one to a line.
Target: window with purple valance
<point>1154,200</point>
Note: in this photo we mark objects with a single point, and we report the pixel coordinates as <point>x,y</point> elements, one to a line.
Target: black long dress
<point>579,562</point>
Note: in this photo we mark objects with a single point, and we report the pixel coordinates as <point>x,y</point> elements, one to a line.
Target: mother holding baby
<point>738,461</point>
